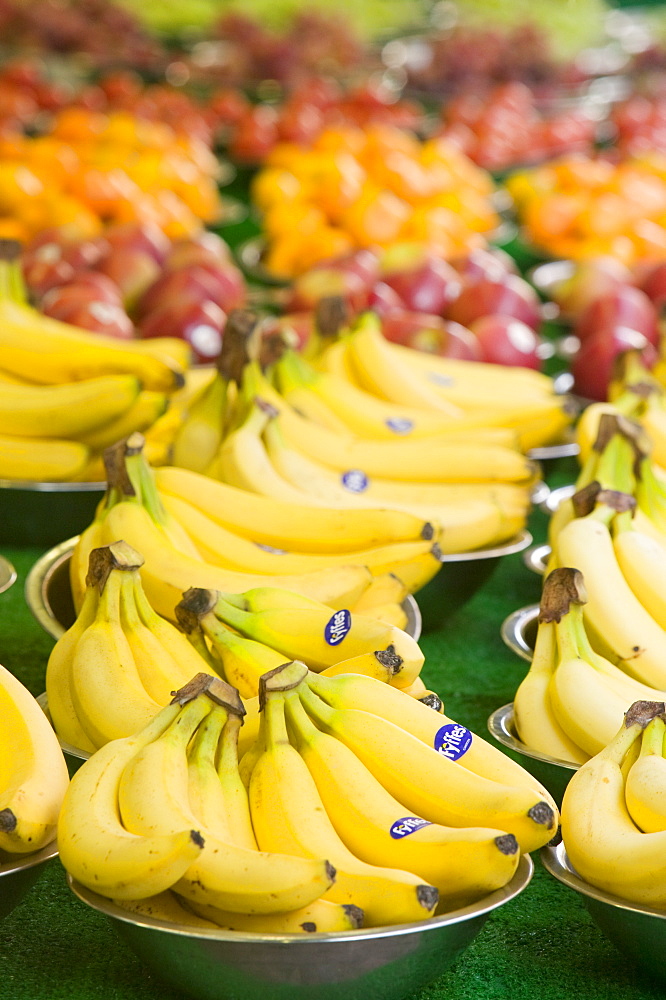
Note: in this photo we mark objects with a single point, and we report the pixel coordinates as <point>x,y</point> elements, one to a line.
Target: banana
<point>347,407</point>
<point>536,723</point>
<point>642,560</point>
<point>386,588</point>
<point>618,623</point>
<point>465,524</point>
<point>33,771</point>
<point>41,459</point>
<point>59,674</point>
<point>303,528</point>
<point>50,352</point>
<point>435,729</point>
<point>603,843</point>
<point>463,864</point>
<point>288,816</point>
<point>166,573</point>
<point>166,906</point>
<point>201,429</point>
<point>430,784</point>
<point>147,408</point>
<point>321,637</point>
<point>203,784</point>
<point>645,780</point>
<point>153,797</point>
<point>234,792</point>
<point>94,846</point>
<point>222,547</point>
<point>320,916</point>
<point>79,561</point>
<point>108,695</point>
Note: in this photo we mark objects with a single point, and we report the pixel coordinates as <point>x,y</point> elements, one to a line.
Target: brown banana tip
<point>389,659</point>
<point>8,821</point>
<point>433,701</point>
<point>198,601</point>
<point>355,914</point>
<point>427,531</point>
<point>642,712</point>
<point>428,896</point>
<point>542,814</point>
<point>197,838</point>
<point>437,552</point>
<point>331,872</point>
<point>507,844</point>
<point>308,927</point>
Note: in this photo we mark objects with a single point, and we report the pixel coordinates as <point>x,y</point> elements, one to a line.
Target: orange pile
<point>373,186</point>
<point>581,207</point>
<point>95,169</point>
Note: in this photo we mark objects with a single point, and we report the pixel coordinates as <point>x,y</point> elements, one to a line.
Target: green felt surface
<point>542,944</point>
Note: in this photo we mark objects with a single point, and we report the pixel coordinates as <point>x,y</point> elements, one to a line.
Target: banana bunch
<point>267,437</point>
<point>300,834</point>
<point>192,531</point>
<point>67,394</point>
<point>119,663</point>
<point>613,819</point>
<point>33,775</point>
<point>572,700</point>
<point>248,635</point>
<point>614,532</point>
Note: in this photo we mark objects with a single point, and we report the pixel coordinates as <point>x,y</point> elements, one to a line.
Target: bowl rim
<point>67,748</point>
<point>519,881</point>
<point>511,630</point>
<point>556,861</point>
<point>22,862</point>
<point>515,544</point>
<point>555,497</point>
<point>34,486</point>
<point>500,725</point>
<point>536,558</point>
<point>43,568</point>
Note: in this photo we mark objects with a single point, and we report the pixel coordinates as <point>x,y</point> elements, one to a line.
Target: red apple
<point>622,306</point>
<point>383,299</point>
<point>132,269</point>
<point>223,284</point>
<point>653,283</point>
<point>146,236</point>
<point>510,296</point>
<point>205,247</point>
<point>455,341</point>
<point>424,281</point>
<point>592,366</point>
<point>589,280</point>
<point>198,321</point>
<point>319,283</point>
<point>504,340</point>
<point>94,315</point>
<point>482,262</point>
<point>401,326</point>
<point>102,287</point>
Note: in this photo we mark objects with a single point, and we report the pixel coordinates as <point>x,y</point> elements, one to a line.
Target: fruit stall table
<point>543,943</point>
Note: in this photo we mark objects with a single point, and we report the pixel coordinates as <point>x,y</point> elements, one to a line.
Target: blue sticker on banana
<point>337,626</point>
<point>408,824</point>
<point>400,425</point>
<point>355,480</point>
<point>452,740</point>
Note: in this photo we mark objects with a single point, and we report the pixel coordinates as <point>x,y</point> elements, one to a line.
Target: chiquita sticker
<point>337,627</point>
<point>355,480</point>
<point>408,824</point>
<point>400,425</point>
<point>452,740</point>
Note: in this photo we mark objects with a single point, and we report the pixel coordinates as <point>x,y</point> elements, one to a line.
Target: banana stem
<point>227,760</point>
<point>317,709</point>
<point>274,719</point>
<point>299,724</point>
<point>652,742</point>
<point>206,740</point>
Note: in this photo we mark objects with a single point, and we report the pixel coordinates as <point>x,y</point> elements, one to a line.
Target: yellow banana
<point>462,863</point>
<point>167,907</point>
<point>478,375</point>
<point>431,785</point>
<point>147,408</point>
<point>320,916</point>
<point>271,521</point>
<point>40,459</point>
<point>288,816</point>
<point>201,429</point>
<point>603,843</point>
<point>153,798</point>
<point>234,792</point>
<point>93,844</point>
<point>386,588</point>
<point>33,771</point>
<point>645,780</point>
<point>642,560</point>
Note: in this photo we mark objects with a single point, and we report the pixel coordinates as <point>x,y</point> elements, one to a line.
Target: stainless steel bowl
<point>42,513</point>
<point>461,575</point>
<point>48,593</point>
<point>536,558</point>
<point>554,774</point>
<point>637,931</point>
<point>18,873</point>
<point>555,497</point>
<point>384,963</point>
<point>519,629</point>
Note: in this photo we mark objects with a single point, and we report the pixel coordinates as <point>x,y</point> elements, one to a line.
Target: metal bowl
<point>519,629</point>
<point>48,593</point>
<point>384,963</point>
<point>637,931</point>
<point>536,558</point>
<point>461,575</point>
<point>42,513</point>
<point>553,773</point>
<point>18,873</point>
<point>555,497</point>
